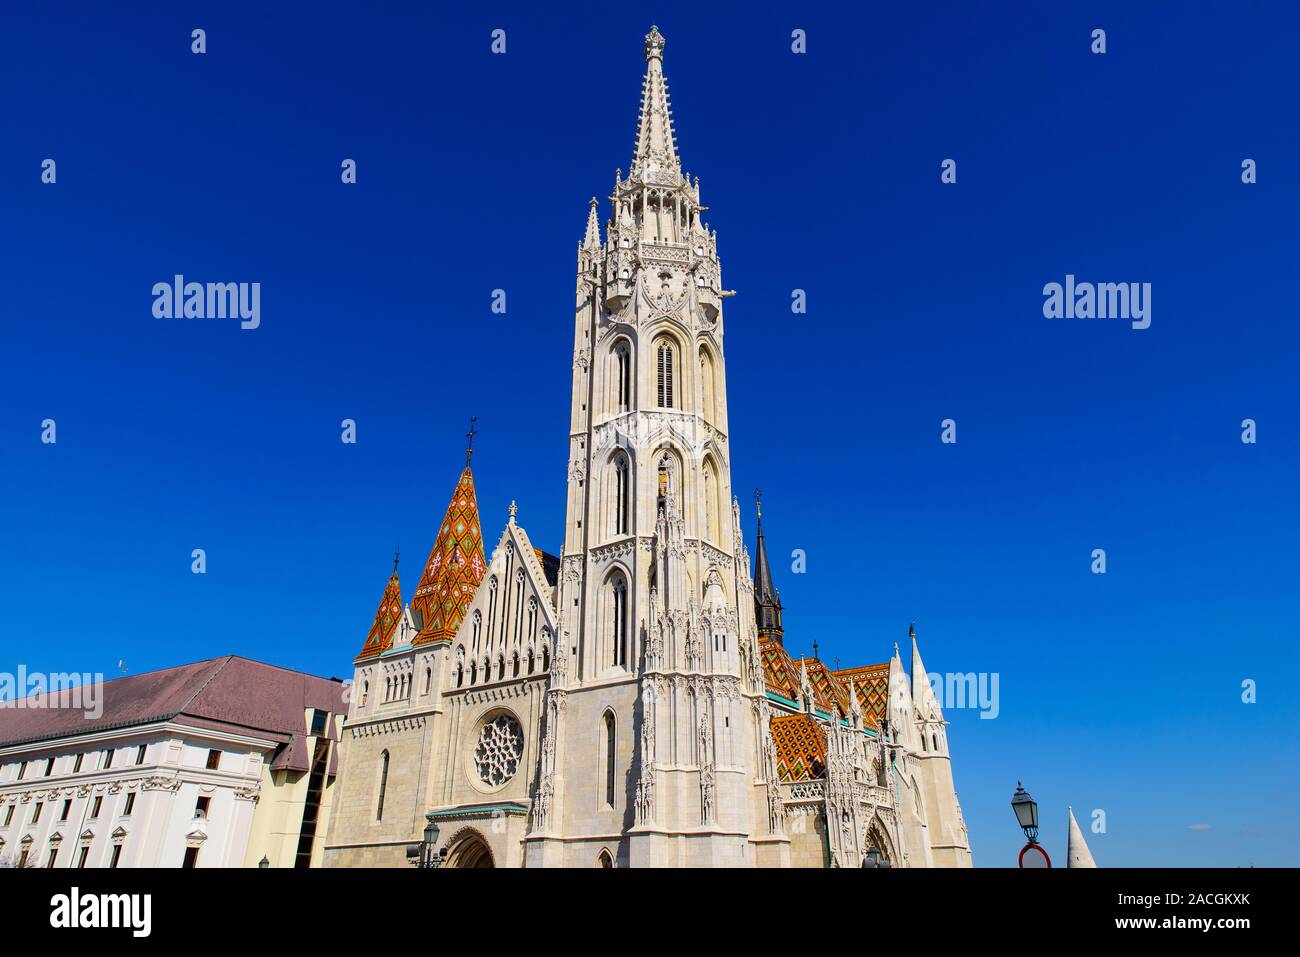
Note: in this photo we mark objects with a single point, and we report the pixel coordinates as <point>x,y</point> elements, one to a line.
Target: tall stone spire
<point>767,602</point>
<point>592,240</point>
<point>655,148</point>
<point>1076,848</point>
<point>455,567</point>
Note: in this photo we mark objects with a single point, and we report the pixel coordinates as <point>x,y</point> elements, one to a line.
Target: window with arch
<point>666,368</point>
<point>532,619</point>
<point>711,505</point>
<point>622,371</point>
<point>428,679</point>
<point>492,609</point>
<point>519,605</point>
<point>365,690</point>
<point>607,732</point>
<point>477,632</point>
<point>605,862</point>
<point>708,387</point>
<point>383,786</point>
<point>620,495</point>
<point>616,621</point>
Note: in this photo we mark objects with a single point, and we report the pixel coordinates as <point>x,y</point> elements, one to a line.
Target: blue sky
<point>1119,692</point>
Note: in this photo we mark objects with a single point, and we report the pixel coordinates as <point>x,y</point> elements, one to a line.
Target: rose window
<point>500,746</point>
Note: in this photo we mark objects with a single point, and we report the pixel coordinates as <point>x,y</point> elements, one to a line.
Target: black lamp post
<point>1026,809</point>
<point>427,856</point>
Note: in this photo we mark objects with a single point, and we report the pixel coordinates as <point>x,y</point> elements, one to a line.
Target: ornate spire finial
<point>911,630</point>
<point>473,431</point>
<point>758,502</point>
<point>397,555</point>
<point>654,44</point>
<point>514,510</point>
<point>815,655</point>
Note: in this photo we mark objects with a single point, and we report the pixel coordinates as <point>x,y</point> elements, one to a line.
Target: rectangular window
<point>67,808</point>
<point>139,755</point>
<point>130,805</point>
<point>77,764</point>
<point>54,856</point>
<point>191,857</point>
<point>214,760</point>
<point>117,855</point>
<point>94,808</point>
<point>36,814</point>
<point>22,860</point>
<point>49,767</point>
<point>81,858</point>
<point>9,815</point>
<point>108,758</point>
<point>22,770</point>
<point>318,721</point>
<point>201,807</point>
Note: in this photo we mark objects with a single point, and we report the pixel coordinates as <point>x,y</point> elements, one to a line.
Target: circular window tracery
<point>500,746</point>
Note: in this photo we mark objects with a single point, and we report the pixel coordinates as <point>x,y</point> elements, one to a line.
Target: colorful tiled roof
<point>871,682</point>
<point>455,568</point>
<point>800,747</point>
<point>781,675</point>
<point>828,690</point>
<point>389,613</point>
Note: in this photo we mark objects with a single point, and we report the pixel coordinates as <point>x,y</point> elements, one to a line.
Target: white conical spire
<point>922,695</point>
<point>1076,848</point>
<point>592,239</point>
<point>655,148</point>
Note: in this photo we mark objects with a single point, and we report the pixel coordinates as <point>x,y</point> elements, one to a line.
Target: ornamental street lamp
<point>428,858</point>
<point>1026,809</point>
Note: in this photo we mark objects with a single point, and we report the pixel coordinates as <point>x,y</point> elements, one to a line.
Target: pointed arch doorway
<point>469,850</point>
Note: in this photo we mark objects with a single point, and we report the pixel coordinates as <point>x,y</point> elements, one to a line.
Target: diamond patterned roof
<point>389,613</point>
<point>871,682</point>
<point>454,570</point>
<point>800,747</point>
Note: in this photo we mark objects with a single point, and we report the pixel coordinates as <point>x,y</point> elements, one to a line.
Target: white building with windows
<point>214,764</point>
<point>630,702</point>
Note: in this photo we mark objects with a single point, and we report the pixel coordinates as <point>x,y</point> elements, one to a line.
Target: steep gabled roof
<point>454,570</point>
<point>380,637</point>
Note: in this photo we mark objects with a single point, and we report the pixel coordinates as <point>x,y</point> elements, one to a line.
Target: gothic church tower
<point>653,738</point>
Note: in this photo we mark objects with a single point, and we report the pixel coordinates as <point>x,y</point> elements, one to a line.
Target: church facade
<point>631,702</point>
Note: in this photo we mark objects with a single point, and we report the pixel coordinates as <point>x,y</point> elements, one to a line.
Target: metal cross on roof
<point>473,431</point>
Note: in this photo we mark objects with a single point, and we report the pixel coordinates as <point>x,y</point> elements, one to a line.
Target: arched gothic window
<point>383,786</point>
<point>620,498</point>
<point>610,758</point>
<point>477,632</point>
<point>708,387</point>
<point>492,609</point>
<point>711,523</point>
<point>665,359</point>
<point>622,386</point>
<point>617,623</point>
